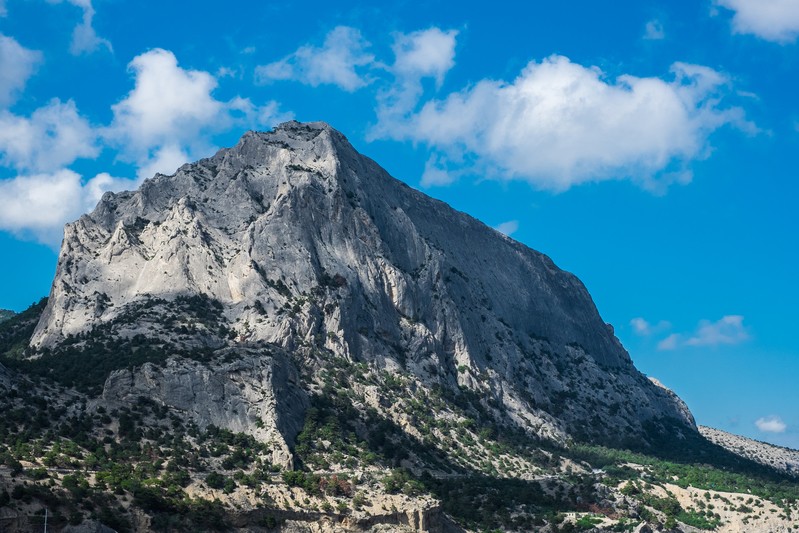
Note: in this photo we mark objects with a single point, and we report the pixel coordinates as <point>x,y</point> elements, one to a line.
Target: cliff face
<point>249,393</point>
<point>306,245</point>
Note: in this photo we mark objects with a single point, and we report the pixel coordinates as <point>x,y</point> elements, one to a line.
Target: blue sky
<point>647,146</point>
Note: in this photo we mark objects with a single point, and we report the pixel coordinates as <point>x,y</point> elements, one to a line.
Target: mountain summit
<point>298,242</point>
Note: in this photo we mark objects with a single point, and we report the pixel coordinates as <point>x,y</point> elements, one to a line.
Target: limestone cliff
<point>305,244</point>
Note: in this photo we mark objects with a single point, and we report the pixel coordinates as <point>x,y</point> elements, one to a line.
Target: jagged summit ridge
<point>305,242</point>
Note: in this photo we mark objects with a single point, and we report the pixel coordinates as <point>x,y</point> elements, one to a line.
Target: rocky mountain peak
<point>292,239</point>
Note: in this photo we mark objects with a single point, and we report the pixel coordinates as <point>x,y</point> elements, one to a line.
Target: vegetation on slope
<point>81,461</point>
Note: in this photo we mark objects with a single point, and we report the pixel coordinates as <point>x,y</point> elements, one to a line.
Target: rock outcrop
<point>307,245</point>
<point>248,392</point>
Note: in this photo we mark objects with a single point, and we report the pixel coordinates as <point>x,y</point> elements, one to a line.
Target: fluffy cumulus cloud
<point>169,116</point>
<point>44,193</point>
<point>337,62</point>
<point>167,103</point>
<point>84,37</point>
<point>771,424</point>
<point>167,119</point>
<point>728,330</point>
<point>772,20</point>
<point>17,64</point>
<point>560,124</point>
<point>53,136</point>
<point>425,53</point>
<point>37,206</point>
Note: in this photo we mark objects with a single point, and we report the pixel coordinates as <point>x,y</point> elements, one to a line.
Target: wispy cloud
<point>771,424</point>
<point>84,37</point>
<point>670,343</point>
<point>644,328</point>
<point>653,31</point>
<point>508,228</point>
<point>17,65</point>
<point>728,330</point>
<point>418,55</point>
<point>337,62</point>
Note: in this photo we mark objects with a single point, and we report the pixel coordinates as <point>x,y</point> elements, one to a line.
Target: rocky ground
<point>783,459</point>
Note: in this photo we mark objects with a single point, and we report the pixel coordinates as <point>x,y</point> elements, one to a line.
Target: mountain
<point>301,242</point>
<point>284,337</point>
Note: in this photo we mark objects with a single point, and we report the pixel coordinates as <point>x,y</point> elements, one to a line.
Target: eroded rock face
<point>305,242</point>
<point>245,391</point>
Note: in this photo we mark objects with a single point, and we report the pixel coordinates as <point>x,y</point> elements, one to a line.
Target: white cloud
<point>52,137</point>
<point>640,326</point>
<point>421,54</point>
<point>102,183</point>
<point>772,20</point>
<point>165,160</point>
<point>336,62</point>
<point>508,228</point>
<point>17,64</point>
<point>166,120</point>
<point>728,330</point>
<point>645,328</point>
<point>38,205</point>
<point>669,343</point>
<point>654,31</point>
<point>560,124</point>
<point>771,424</point>
<point>245,112</point>
<point>167,104</point>
<point>84,37</point>
<point>426,53</point>
<point>171,113</point>
<point>40,201</point>
<point>435,175</point>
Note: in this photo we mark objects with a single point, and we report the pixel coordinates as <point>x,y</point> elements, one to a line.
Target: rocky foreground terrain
<point>284,337</point>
